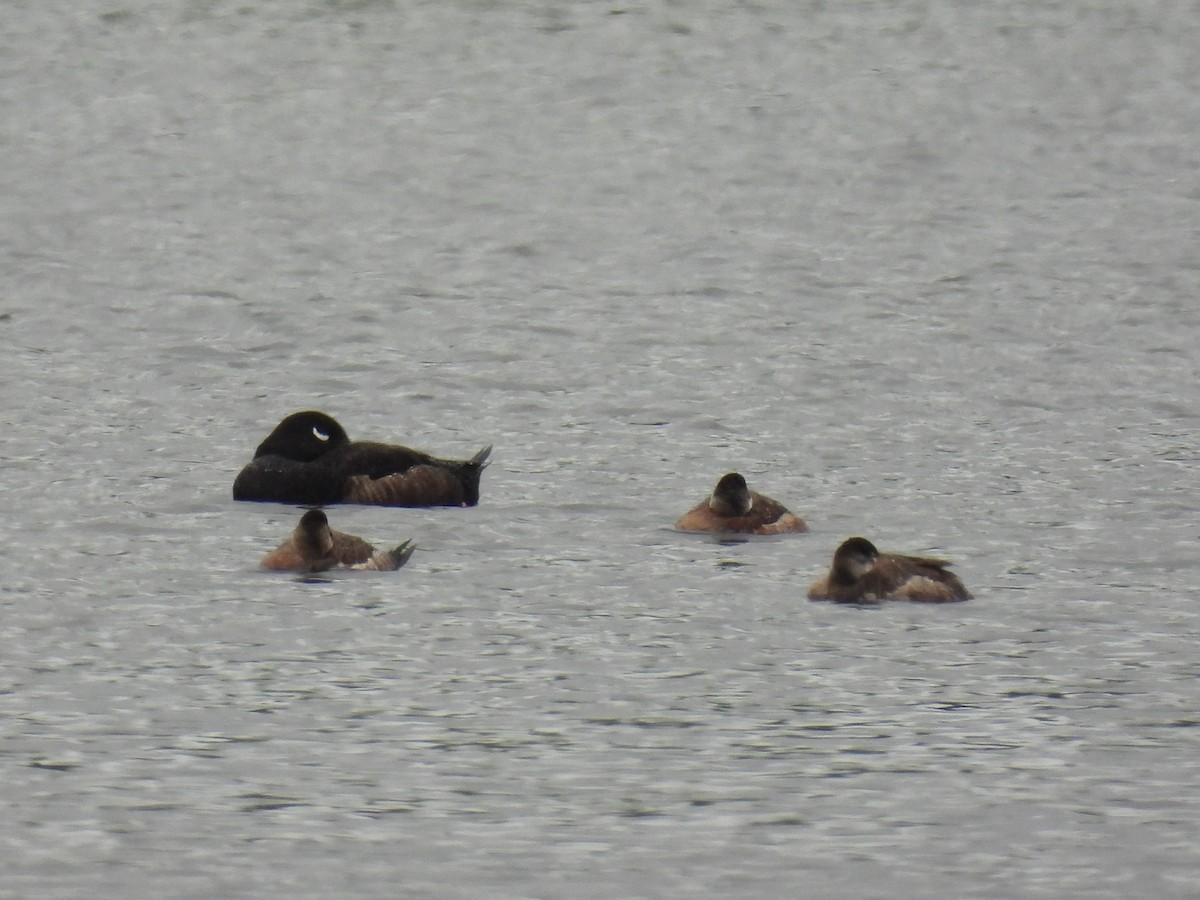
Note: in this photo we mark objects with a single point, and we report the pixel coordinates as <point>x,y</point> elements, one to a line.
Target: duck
<point>315,547</point>
<point>861,574</point>
<point>308,459</point>
<point>732,508</point>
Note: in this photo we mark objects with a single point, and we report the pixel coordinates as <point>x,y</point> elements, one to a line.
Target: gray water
<point>924,272</point>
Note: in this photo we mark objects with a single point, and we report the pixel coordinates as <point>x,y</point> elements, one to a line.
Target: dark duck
<point>308,459</point>
<point>861,574</point>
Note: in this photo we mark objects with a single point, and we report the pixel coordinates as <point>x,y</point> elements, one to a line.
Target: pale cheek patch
<point>859,568</point>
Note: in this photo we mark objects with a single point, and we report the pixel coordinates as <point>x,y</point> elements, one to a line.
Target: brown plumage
<point>861,574</point>
<point>733,508</point>
<point>315,547</point>
<point>421,485</point>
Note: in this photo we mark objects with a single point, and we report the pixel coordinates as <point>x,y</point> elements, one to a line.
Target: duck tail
<point>469,473</point>
<point>401,554</point>
<point>389,560</point>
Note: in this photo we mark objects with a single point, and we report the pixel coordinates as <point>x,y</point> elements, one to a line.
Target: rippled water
<point>922,272</point>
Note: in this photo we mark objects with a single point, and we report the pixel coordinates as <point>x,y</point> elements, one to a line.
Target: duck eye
<point>320,435</point>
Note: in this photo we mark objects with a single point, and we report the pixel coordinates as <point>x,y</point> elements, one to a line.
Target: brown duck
<point>315,547</point>
<point>861,574</point>
<point>733,508</point>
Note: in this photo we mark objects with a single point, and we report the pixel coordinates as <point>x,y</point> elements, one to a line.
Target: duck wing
<point>919,578</point>
<point>398,476</point>
<point>349,549</point>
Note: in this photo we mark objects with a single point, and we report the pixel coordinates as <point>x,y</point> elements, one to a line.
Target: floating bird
<point>861,574</point>
<point>733,508</point>
<point>309,459</point>
<point>315,547</point>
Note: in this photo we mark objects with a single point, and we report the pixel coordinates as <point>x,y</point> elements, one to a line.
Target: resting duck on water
<point>315,547</point>
<point>861,574</point>
<point>733,508</point>
<point>309,459</point>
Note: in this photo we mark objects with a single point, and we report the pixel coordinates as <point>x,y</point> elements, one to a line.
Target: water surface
<point>923,273</point>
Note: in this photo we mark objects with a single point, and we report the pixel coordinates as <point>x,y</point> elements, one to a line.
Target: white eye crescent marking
<point>320,435</point>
